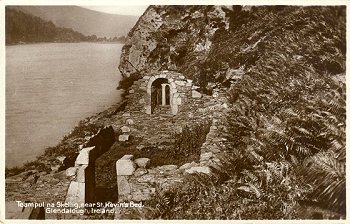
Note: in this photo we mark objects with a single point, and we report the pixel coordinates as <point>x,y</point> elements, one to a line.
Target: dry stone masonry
<point>136,181</point>
<point>162,88</point>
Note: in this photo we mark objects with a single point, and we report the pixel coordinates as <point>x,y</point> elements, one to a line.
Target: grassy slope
<point>287,126</point>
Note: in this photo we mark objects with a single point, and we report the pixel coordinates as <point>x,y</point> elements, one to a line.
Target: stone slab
<point>76,193</point>
<point>198,169</point>
<point>125,129</point>
<point>125,167</point>
<point>123,138</point>
<point>196,94</point>
<point>143,162</point>
<point>83,157</point>
<point>81,173</point>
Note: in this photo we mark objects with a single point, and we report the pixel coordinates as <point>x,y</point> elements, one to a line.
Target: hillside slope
<point>206,42</point>
<point>25,28</point>
<point>283,69</point>
<point>85,21</point>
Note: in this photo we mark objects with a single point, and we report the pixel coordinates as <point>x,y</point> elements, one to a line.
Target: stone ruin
<point>164,90</point>
<point>165,93</point>
<point>82,186</point>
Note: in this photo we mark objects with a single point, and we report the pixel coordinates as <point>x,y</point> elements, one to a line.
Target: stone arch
<point>172,91</point>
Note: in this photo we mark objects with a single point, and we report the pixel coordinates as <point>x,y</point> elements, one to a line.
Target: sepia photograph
<point>174,112</point>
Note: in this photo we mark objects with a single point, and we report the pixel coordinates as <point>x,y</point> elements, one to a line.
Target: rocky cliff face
<point>216,45</point>
<point>173,38</point>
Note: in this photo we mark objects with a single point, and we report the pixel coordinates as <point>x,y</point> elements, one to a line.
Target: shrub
<point>190,139</point>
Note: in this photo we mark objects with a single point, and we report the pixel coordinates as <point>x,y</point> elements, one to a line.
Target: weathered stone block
<point>127,157</point>
<point>143,162</point>
<point>126,114</point>
<point>152,79</point>
<point>148,109</point>
<point>131,91</point>
<point>124,187</point>
<point>206,156</point>
<point>123,138</point>
<point>198,169</point>
<point>125,166</point>
<point>84,155</point>
<point>187,166</point>
<point>125,129</point>
<point>81,173</point>
<point>196,94</point>
<point>129,121</point>
<point>76,193</point>
<point>173,85</point>
<point>71,171</point>
<point>180,83</point>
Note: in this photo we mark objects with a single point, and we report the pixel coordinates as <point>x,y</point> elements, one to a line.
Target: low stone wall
<point>137,183</point>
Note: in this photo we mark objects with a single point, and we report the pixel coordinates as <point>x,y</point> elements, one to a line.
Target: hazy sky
<point>135,10</point>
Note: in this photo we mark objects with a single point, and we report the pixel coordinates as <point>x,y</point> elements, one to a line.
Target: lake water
<point>51,87</point>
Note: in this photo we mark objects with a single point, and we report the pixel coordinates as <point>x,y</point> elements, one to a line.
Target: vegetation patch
<point>287,124</point>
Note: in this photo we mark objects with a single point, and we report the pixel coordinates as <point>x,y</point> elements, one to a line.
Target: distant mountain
<point>25,28</point>
<point>85,21</point>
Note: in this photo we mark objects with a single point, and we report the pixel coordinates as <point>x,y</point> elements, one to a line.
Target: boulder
<point>143,162</point>
<point>129,121</point>
<point>123,138</point>
<point>125,129</point>
<point>196,94</point>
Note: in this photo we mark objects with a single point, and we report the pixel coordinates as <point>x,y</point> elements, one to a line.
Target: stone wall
<point>136,182</point>
<point>181,90</point>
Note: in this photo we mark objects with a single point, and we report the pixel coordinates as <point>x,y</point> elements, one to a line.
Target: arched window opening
<point>160,94</point>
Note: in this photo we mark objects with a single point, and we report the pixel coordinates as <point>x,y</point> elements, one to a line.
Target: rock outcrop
<point>172,38</point>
